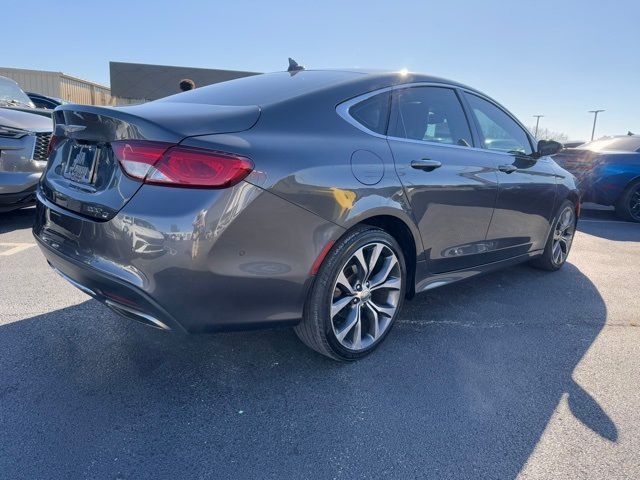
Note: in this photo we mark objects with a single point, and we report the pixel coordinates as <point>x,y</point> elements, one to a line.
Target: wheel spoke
<point>384,310</point>
<point>357,332</point>
<point>359,255</point>
<point>566,219</point>
<point>375,320</point>
<point>563,243</point>
<point>556,252</point>
<point>375,255</point>
<point>340,304</point>
<point>352,320</point>
<point>342,281</point>
<point>391,283</point>
<point>383,274</point>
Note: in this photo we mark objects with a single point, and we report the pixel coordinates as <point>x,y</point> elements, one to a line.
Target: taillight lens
<point>137,157</point>
<point>53,140</point>
<point>173,165</point>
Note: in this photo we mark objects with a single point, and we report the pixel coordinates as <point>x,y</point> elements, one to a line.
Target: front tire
<point>356,296</point>
<point>628,206</point>
<point>560,239</point>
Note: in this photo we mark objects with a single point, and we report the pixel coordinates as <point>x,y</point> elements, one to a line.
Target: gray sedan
<point>320,199</point>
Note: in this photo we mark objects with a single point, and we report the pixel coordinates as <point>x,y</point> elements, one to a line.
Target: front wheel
<point>628,207</point>
<point>560,239</point>
<point>356,295</point>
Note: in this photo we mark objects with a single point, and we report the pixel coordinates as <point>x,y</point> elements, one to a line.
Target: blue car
<point>608,173</point>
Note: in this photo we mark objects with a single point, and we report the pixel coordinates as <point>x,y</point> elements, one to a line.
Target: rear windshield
<point>262,89</point>
<point>619,144</point>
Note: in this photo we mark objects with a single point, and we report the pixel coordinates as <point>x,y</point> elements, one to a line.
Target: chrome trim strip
<point>437,144</point>
<point>343,110</point>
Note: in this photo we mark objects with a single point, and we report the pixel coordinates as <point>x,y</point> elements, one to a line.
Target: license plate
<point>81,164</point>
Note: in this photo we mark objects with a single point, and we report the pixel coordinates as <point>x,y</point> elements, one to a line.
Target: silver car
<point>24,139</point>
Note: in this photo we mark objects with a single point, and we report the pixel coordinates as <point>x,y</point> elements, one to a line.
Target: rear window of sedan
<point>263,89</point>
<point>617,144</point>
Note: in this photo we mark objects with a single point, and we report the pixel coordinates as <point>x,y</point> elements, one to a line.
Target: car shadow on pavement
<point>463,387</point>
<point>17,219</point>
<point>617,230</point>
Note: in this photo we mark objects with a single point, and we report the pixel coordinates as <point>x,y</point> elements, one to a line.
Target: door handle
<point>507,168</point>
<point>425,164</point>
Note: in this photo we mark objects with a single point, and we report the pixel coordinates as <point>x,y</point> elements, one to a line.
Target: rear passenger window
<point>373,113</point>
<point>500,132</point>
<point>432,114</point>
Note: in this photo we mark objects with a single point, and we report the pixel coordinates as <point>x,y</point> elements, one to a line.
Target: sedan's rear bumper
<point>212,259</point>
<point>120,296</point>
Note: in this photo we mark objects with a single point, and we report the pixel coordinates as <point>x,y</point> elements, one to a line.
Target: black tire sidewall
<point>323,286</point>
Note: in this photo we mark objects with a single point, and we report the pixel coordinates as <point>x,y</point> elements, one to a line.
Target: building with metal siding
<point>138,83</point>
<point>59,85</point>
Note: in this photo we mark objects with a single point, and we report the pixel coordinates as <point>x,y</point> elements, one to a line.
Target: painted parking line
<point>14,248</point>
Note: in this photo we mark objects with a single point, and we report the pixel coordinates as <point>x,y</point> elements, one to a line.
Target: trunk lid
<point>83,174</point>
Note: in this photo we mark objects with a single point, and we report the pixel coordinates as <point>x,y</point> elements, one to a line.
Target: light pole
<point>537,117</point>
<point>595,117</point>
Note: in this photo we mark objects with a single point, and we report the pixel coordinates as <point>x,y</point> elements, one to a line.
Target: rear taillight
<point>137,157</point>
<point>173,165</point>
<point>53,140</point>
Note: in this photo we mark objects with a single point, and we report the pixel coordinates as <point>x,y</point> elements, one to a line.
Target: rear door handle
<point>425,164</point>
<point>507,168</point>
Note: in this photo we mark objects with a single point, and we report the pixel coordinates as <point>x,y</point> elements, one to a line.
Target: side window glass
<point>432,114</point>
<point>499,131</point>
<point>373,113</point>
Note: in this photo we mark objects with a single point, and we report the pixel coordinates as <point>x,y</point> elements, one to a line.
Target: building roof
<point>150,82</point>
<point>28,71</point>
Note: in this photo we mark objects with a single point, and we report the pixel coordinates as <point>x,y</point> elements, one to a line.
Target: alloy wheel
<point>634,204</point>
<point>563,236</point>
<point>366,295</point>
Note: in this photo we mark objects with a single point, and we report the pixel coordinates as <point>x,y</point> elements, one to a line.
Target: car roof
<point>276,87</point>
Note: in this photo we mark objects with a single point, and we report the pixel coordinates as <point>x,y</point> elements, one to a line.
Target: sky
<point>554,58</point>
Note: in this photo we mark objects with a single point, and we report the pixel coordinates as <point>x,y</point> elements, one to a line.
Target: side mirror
<point>548,147</point>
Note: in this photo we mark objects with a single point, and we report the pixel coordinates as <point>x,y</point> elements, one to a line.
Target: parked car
<point>24,137</point>
<point>42,101</point>
<point>11,95</point>
<point>319,199</point>
<point>608,173</point>
<point>573,143</point>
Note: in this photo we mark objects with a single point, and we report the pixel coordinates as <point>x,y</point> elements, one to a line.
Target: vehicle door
<point>527,186</point>
<point>451,185</point>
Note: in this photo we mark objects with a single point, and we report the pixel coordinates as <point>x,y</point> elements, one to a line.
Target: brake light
<point>137,157</point>
<point>173,165</point>
<point>53,140</point>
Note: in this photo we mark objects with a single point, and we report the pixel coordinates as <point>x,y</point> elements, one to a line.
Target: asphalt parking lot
<point>517,373</point>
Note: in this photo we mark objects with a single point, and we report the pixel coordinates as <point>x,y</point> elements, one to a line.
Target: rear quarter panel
<point>312,159</point>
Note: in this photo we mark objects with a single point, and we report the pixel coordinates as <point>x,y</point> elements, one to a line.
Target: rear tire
<point>560,239</point>
<point>628,205</point>
<point>356,296</point>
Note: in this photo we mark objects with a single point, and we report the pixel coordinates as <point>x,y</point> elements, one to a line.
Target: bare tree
<point>546,134</point>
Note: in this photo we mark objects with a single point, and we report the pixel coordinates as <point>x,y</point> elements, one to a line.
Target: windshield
<point>629,143</point>
<point>11,94</point>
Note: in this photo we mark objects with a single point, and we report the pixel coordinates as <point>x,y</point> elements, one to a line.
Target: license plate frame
<point>81,165</point>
